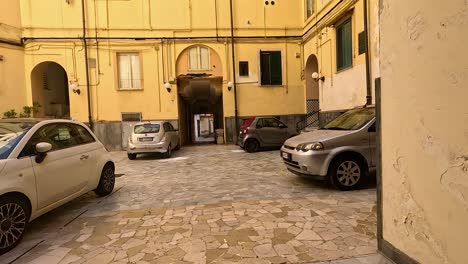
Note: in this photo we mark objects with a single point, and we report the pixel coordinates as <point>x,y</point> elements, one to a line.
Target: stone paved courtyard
<point>207,204</point>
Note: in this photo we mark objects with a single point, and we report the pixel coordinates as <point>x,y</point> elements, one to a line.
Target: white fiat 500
<point>44,164</point>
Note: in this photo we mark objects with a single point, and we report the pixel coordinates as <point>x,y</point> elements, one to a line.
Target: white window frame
<point>117,70</point>
<point>199,58</point>
<point>306,7</point>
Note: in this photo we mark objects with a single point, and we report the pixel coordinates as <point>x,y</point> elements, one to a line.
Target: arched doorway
<point>312,90</point>
<point>199,82</point>
<point>49,84</point>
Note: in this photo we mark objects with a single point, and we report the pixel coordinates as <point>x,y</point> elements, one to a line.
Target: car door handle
<point>84,157</point>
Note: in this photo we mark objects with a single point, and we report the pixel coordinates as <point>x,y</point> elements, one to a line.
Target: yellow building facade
<point>111,61</point>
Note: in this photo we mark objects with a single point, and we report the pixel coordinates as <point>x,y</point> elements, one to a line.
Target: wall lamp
<point>168,87</point>
<point>74,87</point>
<point>230,85</point>
<point>317,77</point>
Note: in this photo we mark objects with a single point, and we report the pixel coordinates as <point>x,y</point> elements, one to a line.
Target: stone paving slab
<point>267,231</point>
<point>370,259</point>
<point>210,204</point>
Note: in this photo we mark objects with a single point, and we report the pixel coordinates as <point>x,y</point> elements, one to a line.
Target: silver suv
<point>342,151</point>
<point>259,132</point>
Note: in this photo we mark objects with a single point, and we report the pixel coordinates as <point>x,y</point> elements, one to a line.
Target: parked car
<point>260,132</point>
<point>342,151</point>
<point>44,164</point>
<point>153,137</point>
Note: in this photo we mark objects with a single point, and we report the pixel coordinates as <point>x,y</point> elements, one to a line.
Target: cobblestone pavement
<point>207,204</point>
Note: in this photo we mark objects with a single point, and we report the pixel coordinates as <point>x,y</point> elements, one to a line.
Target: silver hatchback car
<point>153,137</point>
<point>342,151</point>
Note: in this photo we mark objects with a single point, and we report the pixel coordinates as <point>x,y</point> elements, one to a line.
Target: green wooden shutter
<point>344,45</point>
<point>265,68</point>
<point>276,71</point>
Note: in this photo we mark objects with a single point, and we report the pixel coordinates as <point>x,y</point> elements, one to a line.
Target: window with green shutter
<point>271,68</point>
<point>344,45</point>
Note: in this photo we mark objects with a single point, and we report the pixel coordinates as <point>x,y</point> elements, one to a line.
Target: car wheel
<point>168,153</point>
<point>346,173</point>
<point>177,147</point>
<point>131,156</point>
<point>107,181</point>
<point>14,218</point>
<point>251,146</point>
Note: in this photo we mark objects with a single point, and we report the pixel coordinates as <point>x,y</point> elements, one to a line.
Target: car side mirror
<point>42,148</point>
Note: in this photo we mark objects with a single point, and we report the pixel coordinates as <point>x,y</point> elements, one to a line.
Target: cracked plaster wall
<point>424,68</point>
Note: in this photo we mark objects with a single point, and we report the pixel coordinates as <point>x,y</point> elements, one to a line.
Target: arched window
<point>199,58</point>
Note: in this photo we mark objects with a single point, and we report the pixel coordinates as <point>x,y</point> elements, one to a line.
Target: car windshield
<point>11,134</point>
<point>147,128</point>
<point>351,120</point>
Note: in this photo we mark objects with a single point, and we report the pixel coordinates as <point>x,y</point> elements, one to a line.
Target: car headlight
<point>310,146</point>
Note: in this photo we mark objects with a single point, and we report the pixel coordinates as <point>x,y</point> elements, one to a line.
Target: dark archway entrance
<point>49,85</point>
<point>199,85</point>
<point>312,90</point>
<point>200,108</point>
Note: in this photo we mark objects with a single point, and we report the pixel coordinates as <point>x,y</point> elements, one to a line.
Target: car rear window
<point>247,122</point>
<point>146,128</point>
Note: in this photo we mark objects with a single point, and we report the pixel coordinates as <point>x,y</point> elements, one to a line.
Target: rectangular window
<point>309,8</point>
<point>199,58</point>
<point>243,68</point>
<point>344,45</point>
<point>129,70</point>
<point>270,68</point>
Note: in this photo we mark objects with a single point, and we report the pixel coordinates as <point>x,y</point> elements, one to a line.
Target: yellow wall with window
<point>164,29</point>
<point>115,21</point>
<point>342,88</point>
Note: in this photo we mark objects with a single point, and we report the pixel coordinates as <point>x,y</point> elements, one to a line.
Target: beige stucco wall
<point>424,64</point>
<point>12,84</point>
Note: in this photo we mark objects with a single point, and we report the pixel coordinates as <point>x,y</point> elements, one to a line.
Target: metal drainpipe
<point>85,44</point>
<point>234,72</point>
<point>368,66</point>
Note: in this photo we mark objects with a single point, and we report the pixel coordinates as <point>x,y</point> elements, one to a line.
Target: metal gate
<point>313,106</point>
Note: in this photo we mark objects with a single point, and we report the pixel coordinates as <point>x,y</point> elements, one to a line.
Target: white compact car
<point>44,164</point>
<point>153,137</point>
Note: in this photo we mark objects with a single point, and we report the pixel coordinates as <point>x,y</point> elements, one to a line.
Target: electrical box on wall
<point>362,42</point>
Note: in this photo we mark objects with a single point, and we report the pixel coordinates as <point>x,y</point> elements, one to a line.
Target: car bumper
<point>240,141</point>
<point>147,148</point>
<point>310,163</point>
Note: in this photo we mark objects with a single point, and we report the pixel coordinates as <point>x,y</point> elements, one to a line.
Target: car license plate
<point>146,139</point>
<point>285,155</point>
